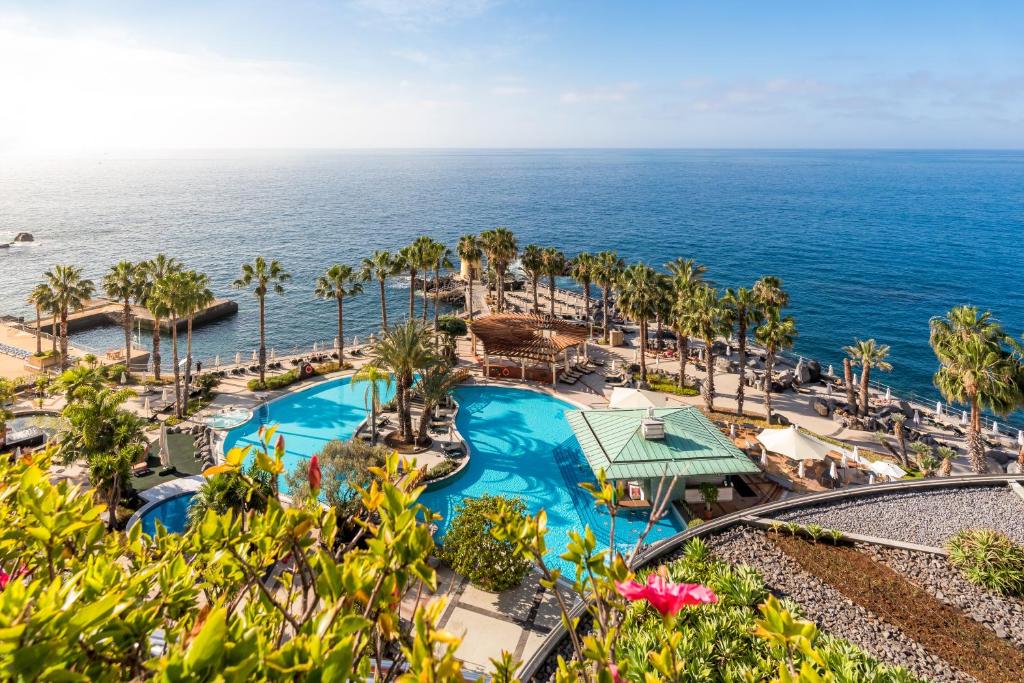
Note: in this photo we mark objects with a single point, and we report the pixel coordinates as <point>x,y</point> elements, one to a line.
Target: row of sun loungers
<point>573,374</point>
<point>14,351</point>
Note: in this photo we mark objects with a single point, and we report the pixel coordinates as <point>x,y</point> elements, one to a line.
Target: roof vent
<point>653,428</point>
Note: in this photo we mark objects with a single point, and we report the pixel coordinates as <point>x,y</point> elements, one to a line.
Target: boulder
<point>1002,457</point>
<point>723,364</point>
<point>24,237</point>
<point>814,367</point>
<point>802,374</point>
<point>1015,468</point>
<point>820,406</point>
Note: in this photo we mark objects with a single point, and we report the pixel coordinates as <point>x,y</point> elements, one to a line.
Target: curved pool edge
<point>137,517</point>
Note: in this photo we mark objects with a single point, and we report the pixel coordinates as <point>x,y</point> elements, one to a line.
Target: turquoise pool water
<point>309,419</point>
<point>523,446</point>
<point>172,513</point>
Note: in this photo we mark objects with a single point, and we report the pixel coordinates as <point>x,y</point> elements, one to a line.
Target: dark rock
<point>814,367</point>
<point>24,237</point>
<point>821,407</point>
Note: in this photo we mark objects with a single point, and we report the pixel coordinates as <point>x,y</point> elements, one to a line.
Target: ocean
<point>868,243</point>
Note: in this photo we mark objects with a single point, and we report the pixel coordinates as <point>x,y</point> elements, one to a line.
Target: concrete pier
<point>100,312</point>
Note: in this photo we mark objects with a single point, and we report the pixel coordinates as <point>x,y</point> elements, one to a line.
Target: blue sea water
<point>868,243</point>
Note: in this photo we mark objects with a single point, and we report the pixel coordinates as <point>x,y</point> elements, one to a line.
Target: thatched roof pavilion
<point>526,337</point>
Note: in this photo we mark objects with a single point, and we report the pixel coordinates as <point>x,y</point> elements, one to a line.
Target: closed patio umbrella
<point>165,454</point>
<point>216,361</point>
<point>145,405</point>
<point>238,358</point>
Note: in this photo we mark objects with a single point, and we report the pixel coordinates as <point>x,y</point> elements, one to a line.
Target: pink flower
<point>315,476</point>
<point>5,578</point>
<point>614,671</point>
<point>665,596</point>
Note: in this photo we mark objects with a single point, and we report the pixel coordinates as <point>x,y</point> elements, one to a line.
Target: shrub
<point>207,383</point>
<point>341,462</point>
<point>989,559</point>
<point>471,549</point>
<point>441,469</point>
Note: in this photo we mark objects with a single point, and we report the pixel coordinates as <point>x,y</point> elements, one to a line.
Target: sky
<point>82,76</point>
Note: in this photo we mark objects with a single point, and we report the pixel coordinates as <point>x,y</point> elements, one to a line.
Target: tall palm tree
<point>122,282</point>
<point>469,251</point>
<point>976,368</point>
<point>768,289</point>
<point>743,308</point>
<point>339,282</point>
<point>155,270</point>
<point>434,386</point>
<point>532,261</point>
<point>501,248</point>
<point>707,317</point>
<point>900,432</point>
<point>554,267</point>
<point>41,299</point>
<point>868,354</point>
<point>197,296</point>
<point>375,378</point>
<point>664,307</point>
<point>441,260</point>
<point>607,269</point>
<point>686,276</point>
<point>379,266</point>
<point>172,292</point>
<point>263,277</point>
<point>851,399</point>
<point>426,252</point>
<point>638,292</point>
<point>404,350</point>
<point>70,292</point>
<point>775,333</point>
<point>582,271</point>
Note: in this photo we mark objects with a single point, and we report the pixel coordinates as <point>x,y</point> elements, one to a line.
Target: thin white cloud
<point>419,14</point>
<point>510,90</point>
<point>610,93</point>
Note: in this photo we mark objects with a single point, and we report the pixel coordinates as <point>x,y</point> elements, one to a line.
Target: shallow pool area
<point>521,445</point>
<point>172,513</point>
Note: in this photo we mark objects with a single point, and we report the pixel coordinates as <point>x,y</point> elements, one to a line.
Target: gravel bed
<point>829,608</point>
<point>923,517</point>
<point>1004,615</point>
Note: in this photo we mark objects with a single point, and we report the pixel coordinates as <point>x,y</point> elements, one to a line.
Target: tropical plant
<point>451,327</point>
<point>581,269</point>
<point>172,291</point>
<point>923,457</point>
<point>473,551</point>
<point>744,310</point>
<point>976,368</point>
<point>153,272</point>
<point>379,266</point>
<point>69,292</point>
<point>74,378</point>
<point>339,282</point>
<point>638,290</point>
<point>41,300</point>
<point>851,399</point>
<point>899,429</point>
<point>99,432</point>
<point>707,318</point>
<point>404,350</point>
<point>6,394</point>
<point>532,261</point>
<point>663,307</point>
<point>197,296</point>
<point>709,492</point>
<point>554,267</point>
<point>376,379</point>
<point>989,559</point>
<point>346,467</point>
<point>686,276</point>
<point>501,248</point>
<point>770,294</point>
<point>469,252</point>
<point>946,457</point>
<point>868,354</point>
<point>220,493</point>
<point>441,259</point>
<point>262,277</point>
<point>435,384</point>
<point>123,282</point>
<point>775,334</point>
<point>607,269</point>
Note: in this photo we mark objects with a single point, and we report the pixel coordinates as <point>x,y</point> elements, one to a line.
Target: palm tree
<point>686,276</point>
<point>532,261</point>
<point>664,307</point>
<point>155,270</point>
<point>197,296</point>
<point>744,309</point>
<point>442,260</point>
<point>768,290</point>
<point>851,400</point>
<point>263,277</point>
<point>375,378</point>
<point>867,354</point>
<point>72,380</point>
<point>380,266</point>
<point>172,292</point>
<point>554,266</point>
<point>899,430</point>
<point>923,457</point>
<point>775,333</point>
<point>220,493</point>
<point>707,317</point>
<point>434,386</point>
<point>338,282</point>
<point>638,292</point>
<point>976,368</point>
<point>581,268</point>
<point>501,248</point>
<point>41,299</point>
<point>70,292</point>
<point>607,269</point>
<point>426,251</point>
<point>470,252</point>
<point>122,282</point>
<point>946,457</point>
<point>404,350</point>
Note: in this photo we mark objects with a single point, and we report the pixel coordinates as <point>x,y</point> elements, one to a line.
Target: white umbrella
<point>843,462</point>
<point>917,417</point>
<point>802,469</point>
<point>938,408</point>
<point>888,394</point>
<point>355,341</point>
<point>764,455</point>
<point>124,378</point>
<point>216,361</point>
<point>626,398</point>
<point>963,417</point>
<point>855,380</point>
<point>163,395</point>
<point>615,366</point>
<point>314,347</point>
<point>995,428</point>
<point>1020,437</point>
<point>238,358</point>
<point>372,338</point>
<point>831,371</point>
<point>833,472</point>
<point>794,444</point>
<point>728,351</point>
<point>17,453</point>
<point>273,354</point>
<point>871,478</point>
<point>145,405</point>
<point>255,356</point>
<point>657,361</point>
<point>828,389</point>
<point>732,429</point>
<point>856,453</point>
<point>165,455</point>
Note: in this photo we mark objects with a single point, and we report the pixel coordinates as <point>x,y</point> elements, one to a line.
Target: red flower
<point>315,476</point>
<point>614,671</point>
<point>5,578</point>
<point>665,596</point>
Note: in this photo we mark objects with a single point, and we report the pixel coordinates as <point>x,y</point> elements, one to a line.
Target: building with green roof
<point>643,446</point>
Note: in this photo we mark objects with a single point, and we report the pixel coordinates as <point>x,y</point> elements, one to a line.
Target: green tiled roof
<point>692,447</point>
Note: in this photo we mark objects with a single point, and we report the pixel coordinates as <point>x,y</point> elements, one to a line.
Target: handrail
<point>554,638</point>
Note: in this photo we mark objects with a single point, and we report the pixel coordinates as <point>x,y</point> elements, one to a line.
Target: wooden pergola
<point>525,337</point>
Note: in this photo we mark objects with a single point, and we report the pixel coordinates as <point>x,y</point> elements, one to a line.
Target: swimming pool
<point>172,513</point>
<point>309,419</point>
<point>522,445</point>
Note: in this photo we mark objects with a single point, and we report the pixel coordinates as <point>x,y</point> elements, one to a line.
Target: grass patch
<point>669,387</point>
<point>943,631</point>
